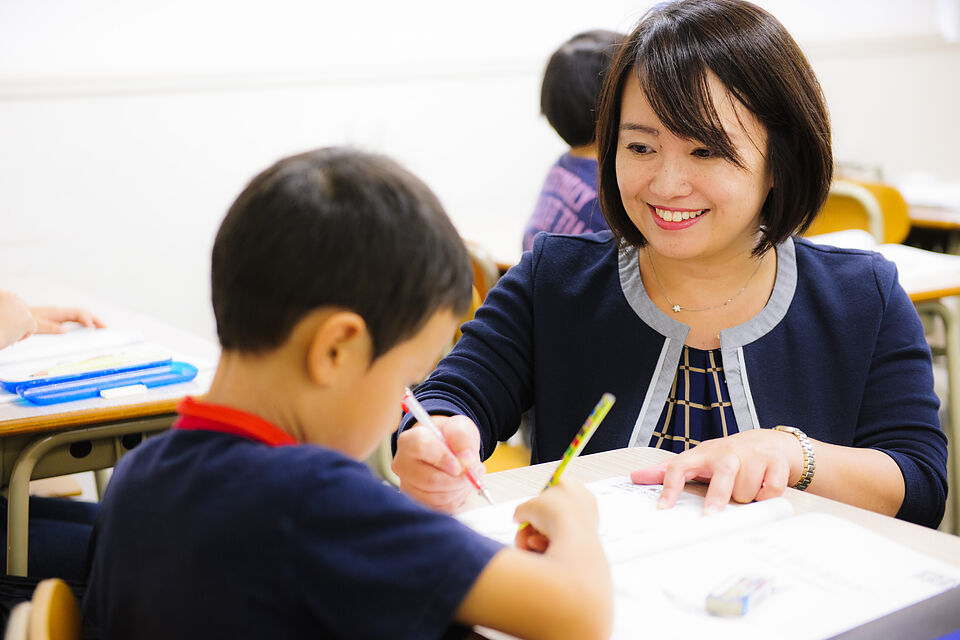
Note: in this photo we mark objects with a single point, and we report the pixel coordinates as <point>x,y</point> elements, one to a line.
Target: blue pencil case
<point>46,391</point>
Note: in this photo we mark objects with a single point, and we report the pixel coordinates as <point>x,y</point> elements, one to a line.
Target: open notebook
<point>827,574</point>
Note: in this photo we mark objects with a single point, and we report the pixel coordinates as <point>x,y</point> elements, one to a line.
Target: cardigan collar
<point>772,313</point>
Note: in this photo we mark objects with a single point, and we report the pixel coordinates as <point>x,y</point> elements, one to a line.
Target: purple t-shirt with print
<point>568,201</point>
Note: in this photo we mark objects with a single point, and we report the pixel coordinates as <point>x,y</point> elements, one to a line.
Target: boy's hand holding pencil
<point>566,508</point>
<point>535,541</point>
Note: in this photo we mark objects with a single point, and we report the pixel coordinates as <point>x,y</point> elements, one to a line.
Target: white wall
<point>127,128</point>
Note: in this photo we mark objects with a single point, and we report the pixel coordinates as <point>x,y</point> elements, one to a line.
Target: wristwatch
<point>809,462</point>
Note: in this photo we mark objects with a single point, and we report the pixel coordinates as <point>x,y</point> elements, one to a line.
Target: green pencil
<point>580,440</point>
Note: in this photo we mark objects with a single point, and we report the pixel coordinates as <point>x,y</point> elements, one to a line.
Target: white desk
<point>928,619</point>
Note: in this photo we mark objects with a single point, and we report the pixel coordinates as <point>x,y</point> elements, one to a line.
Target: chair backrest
<point>872,206</point>
<point>475,301</point>
<point>485,270</point>
<point>54,614</point>
<point>18,622</point>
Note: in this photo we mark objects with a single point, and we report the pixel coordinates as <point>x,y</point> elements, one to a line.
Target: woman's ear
<point>339,344</point>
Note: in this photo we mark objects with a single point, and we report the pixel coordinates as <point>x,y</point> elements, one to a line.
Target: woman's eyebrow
<point>642,128</point>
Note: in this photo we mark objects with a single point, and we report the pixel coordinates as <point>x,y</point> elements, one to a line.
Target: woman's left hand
<point>747,466</point>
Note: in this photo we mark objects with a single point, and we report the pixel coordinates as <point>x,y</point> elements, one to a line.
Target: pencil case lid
<point>92,385</point>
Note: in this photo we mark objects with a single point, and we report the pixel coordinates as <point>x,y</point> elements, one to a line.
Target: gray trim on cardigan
<point>732,340</point>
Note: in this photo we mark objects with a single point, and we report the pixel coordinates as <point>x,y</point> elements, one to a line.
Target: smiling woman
<point>669,184</point>
<point>764,360</point>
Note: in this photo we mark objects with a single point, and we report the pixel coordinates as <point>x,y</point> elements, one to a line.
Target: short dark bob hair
<point>335,228</point>
<point>572,83</point>
<point>671,51</point>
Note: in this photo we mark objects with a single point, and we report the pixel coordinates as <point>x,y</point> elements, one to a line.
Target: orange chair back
<point>872,206</point>
<point>54,614</point>
<point>485,269</point>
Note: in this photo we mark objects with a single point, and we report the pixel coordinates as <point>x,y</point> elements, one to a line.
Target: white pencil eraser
<point>737,596</point>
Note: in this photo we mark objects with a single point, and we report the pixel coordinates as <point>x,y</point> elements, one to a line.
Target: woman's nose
<point>671,179</point>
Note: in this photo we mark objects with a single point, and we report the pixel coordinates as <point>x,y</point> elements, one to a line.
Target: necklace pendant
<point>676,308</point>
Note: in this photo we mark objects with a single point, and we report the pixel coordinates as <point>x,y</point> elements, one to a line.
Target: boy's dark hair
<point>572,82</point>
<point>671,51</point>
<point>335,228</point>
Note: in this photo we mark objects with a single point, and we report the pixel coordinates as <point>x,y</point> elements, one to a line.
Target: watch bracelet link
<point>809,462</point>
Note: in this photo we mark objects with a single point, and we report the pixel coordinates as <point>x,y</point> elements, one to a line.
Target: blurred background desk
<point>938,221</point>
<point>87,435</point>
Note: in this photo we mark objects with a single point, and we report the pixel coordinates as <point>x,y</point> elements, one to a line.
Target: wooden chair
<point>54,614</point>
<point>51,614</point>
<point>926,276</point>
<point>18,622</point>
<point>485,269</point>
<point>874,207</point>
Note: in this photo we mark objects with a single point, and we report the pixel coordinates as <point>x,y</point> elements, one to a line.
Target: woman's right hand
<point>429,472</point>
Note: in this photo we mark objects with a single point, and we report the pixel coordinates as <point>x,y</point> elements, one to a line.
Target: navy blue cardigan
<point>838,351</point>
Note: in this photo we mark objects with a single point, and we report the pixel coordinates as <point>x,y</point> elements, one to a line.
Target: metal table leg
<point>951,325</point>
<point>107,444</point>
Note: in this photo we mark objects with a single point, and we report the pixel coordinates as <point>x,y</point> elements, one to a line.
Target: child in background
<point>568,97</point>
<point>337,279</point>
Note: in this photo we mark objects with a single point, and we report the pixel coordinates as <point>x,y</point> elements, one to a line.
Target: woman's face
<point>687,201</point>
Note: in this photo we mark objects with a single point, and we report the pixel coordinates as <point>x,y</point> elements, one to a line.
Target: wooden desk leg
<point>951,325</point>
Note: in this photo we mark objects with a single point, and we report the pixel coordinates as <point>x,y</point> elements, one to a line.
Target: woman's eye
<point>638,148</point>
<point>704,153</point>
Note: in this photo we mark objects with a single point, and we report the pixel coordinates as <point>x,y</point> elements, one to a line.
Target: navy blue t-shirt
<point>205,534</point>
<point>568,200</point>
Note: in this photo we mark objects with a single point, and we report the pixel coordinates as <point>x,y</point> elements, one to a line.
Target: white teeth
<point>677,216</point>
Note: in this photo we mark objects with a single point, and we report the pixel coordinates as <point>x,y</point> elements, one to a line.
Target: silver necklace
<point>678,308</point>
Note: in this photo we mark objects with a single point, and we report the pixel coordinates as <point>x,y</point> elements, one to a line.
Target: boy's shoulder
<point>197,456</point>
<point>237,476</point>
<point>303,512</point>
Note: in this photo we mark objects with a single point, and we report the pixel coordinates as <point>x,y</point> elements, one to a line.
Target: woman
<point>716,323</point>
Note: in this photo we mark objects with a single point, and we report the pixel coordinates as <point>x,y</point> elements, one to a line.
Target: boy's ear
<point>339,340</point>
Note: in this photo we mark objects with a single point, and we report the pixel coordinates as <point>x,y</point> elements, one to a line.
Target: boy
<point>337,280</point>
<point>568,97</point>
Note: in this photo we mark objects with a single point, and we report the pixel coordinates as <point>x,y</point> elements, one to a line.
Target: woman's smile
<point>673,219</point>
